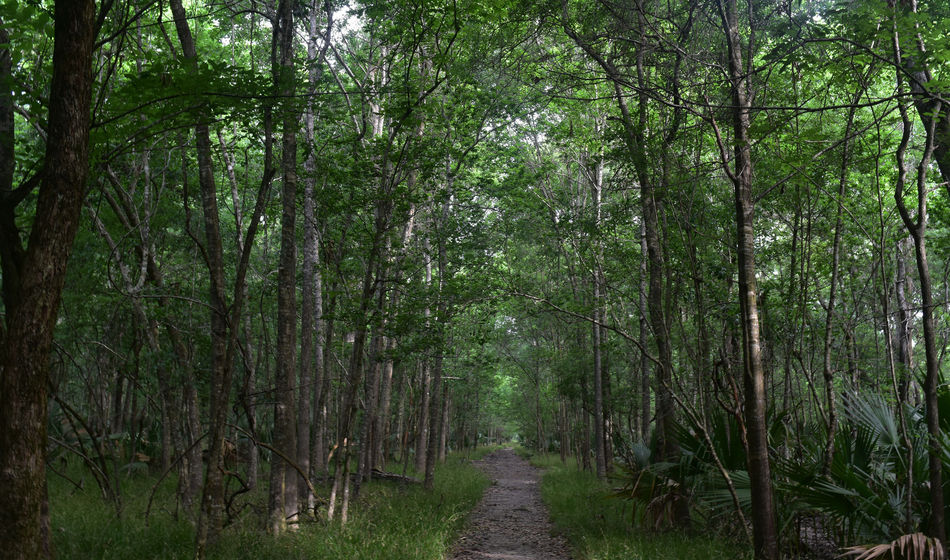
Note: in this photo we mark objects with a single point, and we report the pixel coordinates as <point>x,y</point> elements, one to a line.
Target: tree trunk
<point>223,339</point>
<point>435,414</point>
<point>370,285</point>
<point>400,421</point>
<point>600,452</point>
<point>645,400</point>
<point>34,291</point>
<point>444,430</point>
<point>442,315</point>
<point>381,453</point>
<point>283,480</point>
<point>827,371</point>
<point>312,313</point>
<point>247,349</point>
<point>367,437</point>
<point>311,355</point>
<point>423,425</point>
<point>905,328</point>
<point>918,230</point>
<point>764,532</point>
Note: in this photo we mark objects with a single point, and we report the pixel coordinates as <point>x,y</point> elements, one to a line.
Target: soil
<point>511,522</point>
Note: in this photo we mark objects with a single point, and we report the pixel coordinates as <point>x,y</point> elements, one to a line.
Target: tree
<point>225,319</point>
<point>283,482</point>
<point>764,530</point>
<point>32,292</point>
<point>917,227</point>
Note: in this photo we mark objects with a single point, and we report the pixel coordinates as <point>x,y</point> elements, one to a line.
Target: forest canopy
<point>706,242</point>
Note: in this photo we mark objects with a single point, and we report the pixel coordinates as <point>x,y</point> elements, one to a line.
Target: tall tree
<point>32,292</point>
<point>764,531</point>
<point>637,141</point>
<point>283,481</point>
<point>225,319</point>
<point>311,299</point>
<point>917,227</point>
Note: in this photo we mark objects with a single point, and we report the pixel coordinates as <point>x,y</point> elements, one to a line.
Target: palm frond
<point>914,546</point>
<point>871,412</point>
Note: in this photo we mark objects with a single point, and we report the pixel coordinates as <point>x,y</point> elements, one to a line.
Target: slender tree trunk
<point>917,227</point>
<point>247,349</point>
<point>827,371</point>
<point>563,438</point>
<point>223,339</point>
<point>283,480</point>
<point>932,378</point>
<point>764,531</point>
<point>422,426</point>
<point>355,376</point>
<point>435,414</point>
<point>32,294</point>
<point>444,430</point>
<point>190,474</point>
<point>435,404</point>
<point>381,453</point>
<point>600,453</point>
<point>400,420</point>
<point>905,329</point>
<point>609,417</point>
<point>312,298</point>
<point>367,436</point>
<point>585,431</point>
<point>311,355</point>
<point>898,383</point>
<point>645,400</point>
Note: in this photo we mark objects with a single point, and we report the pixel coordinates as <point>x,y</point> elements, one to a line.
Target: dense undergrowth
<point>874,493</point>
<point>601,527</point>
<point>389,521</point>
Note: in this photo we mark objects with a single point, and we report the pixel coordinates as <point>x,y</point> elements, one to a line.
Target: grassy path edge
<point>389,521</point>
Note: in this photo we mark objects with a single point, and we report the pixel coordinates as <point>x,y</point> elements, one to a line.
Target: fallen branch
<point>377,474</point>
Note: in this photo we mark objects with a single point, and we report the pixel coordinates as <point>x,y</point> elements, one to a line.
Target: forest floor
<point>511,522</point>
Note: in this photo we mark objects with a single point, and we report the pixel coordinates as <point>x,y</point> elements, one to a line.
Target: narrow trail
<point>511,522</point>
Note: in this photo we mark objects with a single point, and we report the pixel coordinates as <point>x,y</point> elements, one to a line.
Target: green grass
<point>599,526</point>
<point>388,522</point>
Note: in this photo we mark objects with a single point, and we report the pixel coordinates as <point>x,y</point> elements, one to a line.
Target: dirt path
<point>511,522</point>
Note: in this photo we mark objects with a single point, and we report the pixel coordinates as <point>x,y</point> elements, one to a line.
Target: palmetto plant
<point>875,490</point>
<point>876,486</point>
<point>653,490</point>
<point>652,487</point>
<point>658,487</point>
<point>915,546</point>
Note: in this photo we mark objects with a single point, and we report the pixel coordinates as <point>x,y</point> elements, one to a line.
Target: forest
<point>256,254</point>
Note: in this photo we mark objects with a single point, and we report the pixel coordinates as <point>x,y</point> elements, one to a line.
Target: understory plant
<point>599,526</point>
<point>874,492</point>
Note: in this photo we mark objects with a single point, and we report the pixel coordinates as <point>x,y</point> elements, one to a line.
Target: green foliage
<point>866,491</point>
<point>487,104</point>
